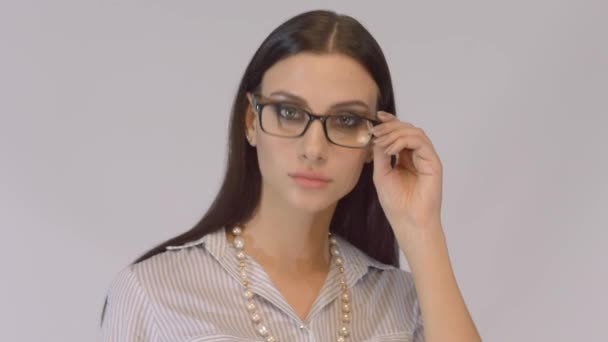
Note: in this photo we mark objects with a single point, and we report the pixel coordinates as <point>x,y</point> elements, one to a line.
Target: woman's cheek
<point>351,173</point>
<point>272,158</point>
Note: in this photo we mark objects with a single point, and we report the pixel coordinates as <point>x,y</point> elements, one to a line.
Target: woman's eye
<point>349,120</point>
<point>288,112</point>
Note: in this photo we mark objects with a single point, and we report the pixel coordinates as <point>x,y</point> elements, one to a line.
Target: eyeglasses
<point>286,120</point>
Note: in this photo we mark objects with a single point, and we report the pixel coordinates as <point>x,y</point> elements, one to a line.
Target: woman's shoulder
<point>358,257</point>
<point>178,264</point>
<point>129,312</point>
<point>372,269</point>
<point>137,277</point>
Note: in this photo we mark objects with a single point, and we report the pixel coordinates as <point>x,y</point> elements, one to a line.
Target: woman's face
<point>316,82</point>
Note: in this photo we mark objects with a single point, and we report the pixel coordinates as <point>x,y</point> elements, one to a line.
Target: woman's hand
<point>410,193</point>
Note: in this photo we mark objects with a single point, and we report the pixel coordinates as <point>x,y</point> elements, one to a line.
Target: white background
<point>113,136</point>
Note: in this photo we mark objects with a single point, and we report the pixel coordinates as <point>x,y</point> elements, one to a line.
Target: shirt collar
<point>216,244</point>
<point>356,264</point>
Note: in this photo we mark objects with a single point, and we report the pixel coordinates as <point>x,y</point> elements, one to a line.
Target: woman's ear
<point>250,121</point>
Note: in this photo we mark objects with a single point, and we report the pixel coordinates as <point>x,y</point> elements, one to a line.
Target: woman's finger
<point>382,162</point>
<point>411,142</point>
<point>390,137</point>
<point>388,126</point>
<point>386,116</point>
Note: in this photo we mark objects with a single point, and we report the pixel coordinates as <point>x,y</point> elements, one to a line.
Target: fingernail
<point>384,114</point>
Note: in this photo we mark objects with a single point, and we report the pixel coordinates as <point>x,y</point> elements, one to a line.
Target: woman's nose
<point>314,143</point>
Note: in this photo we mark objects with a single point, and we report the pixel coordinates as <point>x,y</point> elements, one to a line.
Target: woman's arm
<point>444,313</point>
<point>410,193</point>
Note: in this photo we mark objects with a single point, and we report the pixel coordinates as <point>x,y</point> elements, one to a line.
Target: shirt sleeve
<point>128,314</point>
<point>418,335</point>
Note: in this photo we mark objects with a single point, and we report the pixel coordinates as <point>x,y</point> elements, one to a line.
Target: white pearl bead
<point>334,251</point>
<point>248,294</point>
<point>345,317</point>
<point>240,255</point>
<point>344,331</point>
<point>346,307</point>
<point>239,243</point>
<point>255,317</point>
<point>250,306</point>
<point>270,339</point>
<point>345,297</point>
<point>341,339</point>
<point>236,231</point>
<point>339,261</point>
<point>262,330</point>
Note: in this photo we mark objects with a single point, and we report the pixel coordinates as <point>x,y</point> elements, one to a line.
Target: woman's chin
<point>311,203</point>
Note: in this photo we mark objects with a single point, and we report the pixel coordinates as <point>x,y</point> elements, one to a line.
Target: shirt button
<point>302,326</point>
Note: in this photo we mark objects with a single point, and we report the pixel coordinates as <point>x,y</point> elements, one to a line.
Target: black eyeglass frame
<point>258,106</point>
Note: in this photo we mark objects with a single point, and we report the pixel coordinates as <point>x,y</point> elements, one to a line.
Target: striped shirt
<point>193,293</point>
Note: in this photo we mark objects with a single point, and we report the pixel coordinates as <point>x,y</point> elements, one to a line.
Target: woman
<point>324,184</point>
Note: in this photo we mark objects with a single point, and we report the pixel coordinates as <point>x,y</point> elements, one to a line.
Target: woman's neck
<point>288,240</point>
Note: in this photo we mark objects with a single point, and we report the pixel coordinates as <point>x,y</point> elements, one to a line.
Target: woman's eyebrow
<point>335,105</point>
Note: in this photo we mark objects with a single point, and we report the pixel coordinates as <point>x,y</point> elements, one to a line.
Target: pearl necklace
<point>256,319</point>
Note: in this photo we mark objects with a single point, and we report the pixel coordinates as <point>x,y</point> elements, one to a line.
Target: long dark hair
<point>358,216</point>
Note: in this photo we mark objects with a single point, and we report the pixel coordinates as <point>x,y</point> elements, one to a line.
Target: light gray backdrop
<point>113,131</point>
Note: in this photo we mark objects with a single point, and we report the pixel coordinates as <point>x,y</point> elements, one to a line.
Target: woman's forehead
<point>321,79</point>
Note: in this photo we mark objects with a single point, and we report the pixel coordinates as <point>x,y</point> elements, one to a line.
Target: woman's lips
<point>310,183</point>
